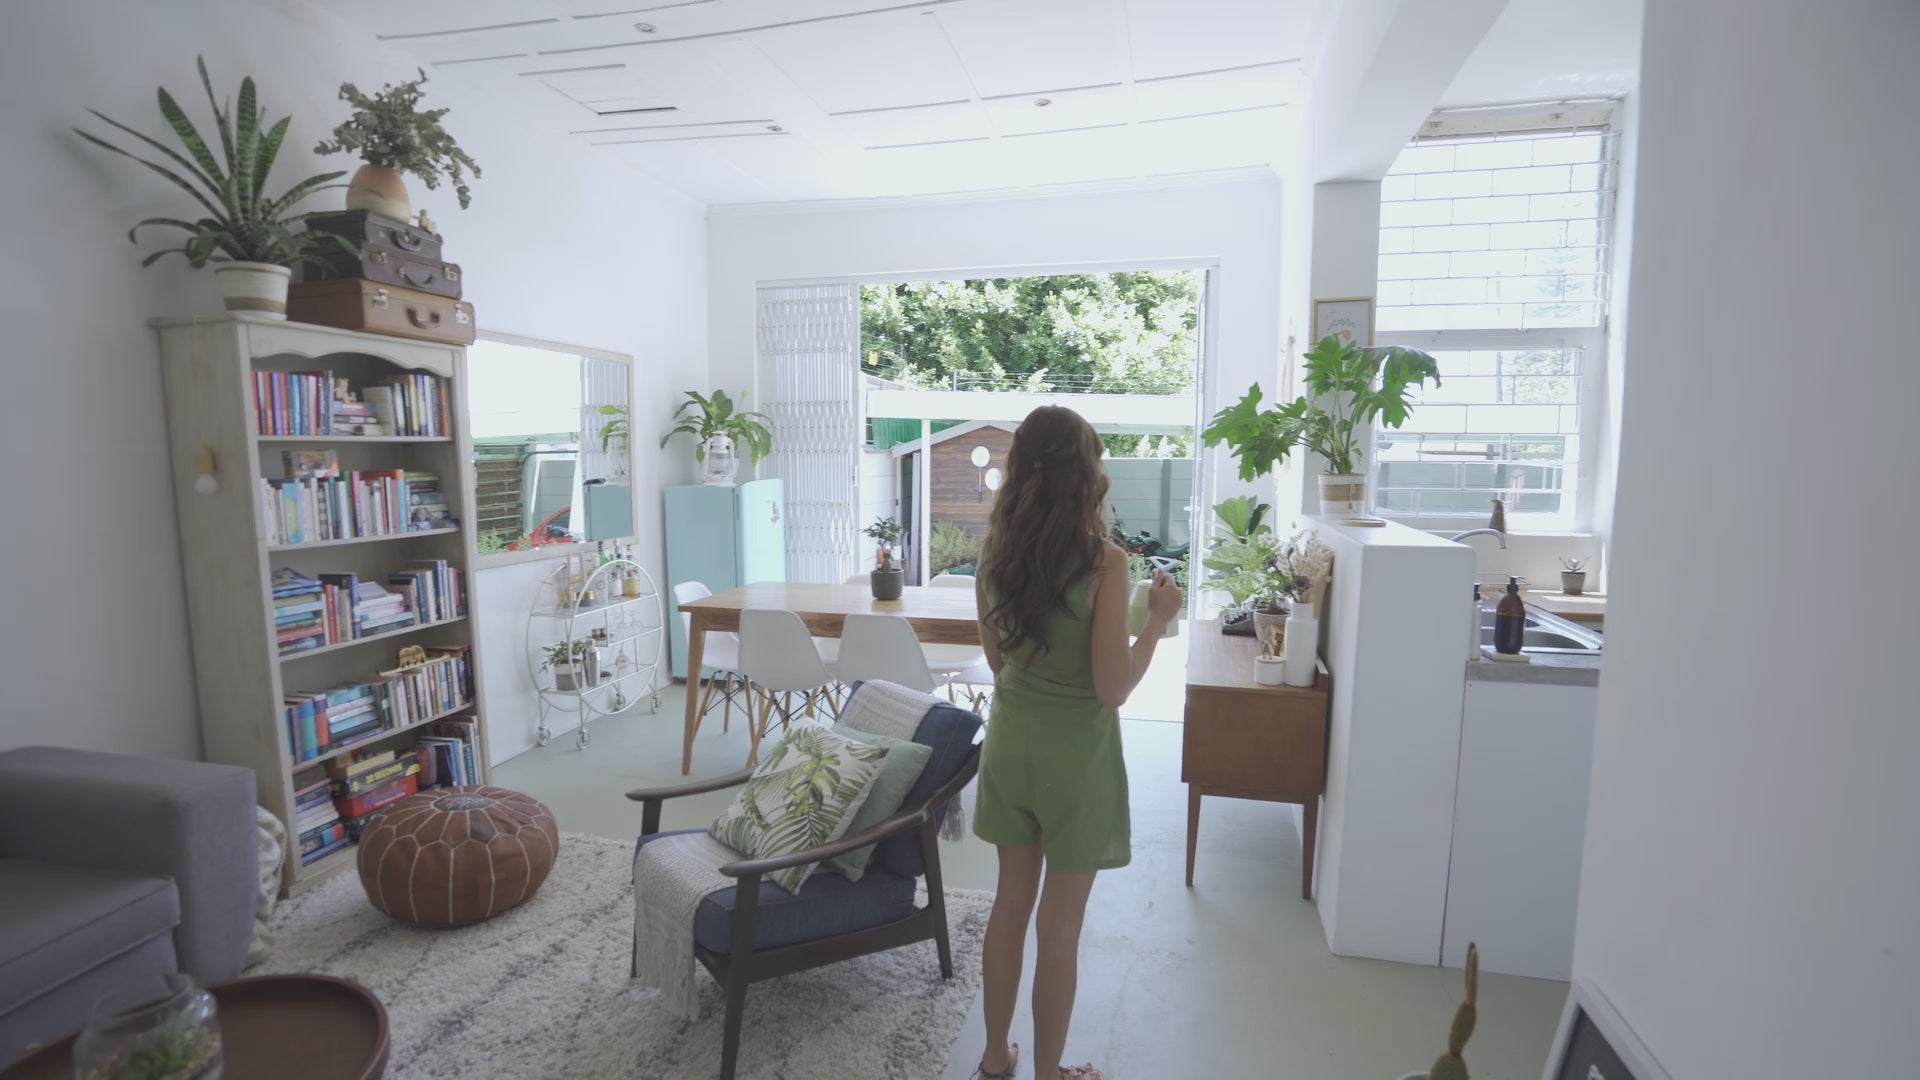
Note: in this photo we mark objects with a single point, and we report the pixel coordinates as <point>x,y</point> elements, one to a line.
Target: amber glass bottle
<point>1510,621</point>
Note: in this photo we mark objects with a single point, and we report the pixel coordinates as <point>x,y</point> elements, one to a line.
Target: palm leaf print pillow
<point>803,794</point>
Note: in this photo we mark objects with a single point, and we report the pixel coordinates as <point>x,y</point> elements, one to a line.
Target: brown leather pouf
<point>454,856</point>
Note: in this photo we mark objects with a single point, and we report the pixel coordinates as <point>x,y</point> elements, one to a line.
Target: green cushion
<point>905,761</point>
<point>804,793</point>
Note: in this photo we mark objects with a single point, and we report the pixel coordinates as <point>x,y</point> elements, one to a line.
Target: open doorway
<point>949,369</point>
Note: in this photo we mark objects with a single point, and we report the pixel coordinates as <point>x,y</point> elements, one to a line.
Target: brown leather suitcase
<point>371,232</point>
<point>378,264</point>
<point>359,304</point>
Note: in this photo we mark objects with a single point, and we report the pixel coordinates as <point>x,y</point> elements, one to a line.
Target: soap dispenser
<point>1510,621</point>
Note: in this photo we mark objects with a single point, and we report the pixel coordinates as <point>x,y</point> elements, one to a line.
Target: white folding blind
<point>602,382</point>
<point>809,359</point>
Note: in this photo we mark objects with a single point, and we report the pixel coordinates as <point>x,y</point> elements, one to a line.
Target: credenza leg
<point>1309,830</point>
<point>1193,827</point>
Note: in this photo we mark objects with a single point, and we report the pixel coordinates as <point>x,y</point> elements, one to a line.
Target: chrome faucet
<point>1495,533</point>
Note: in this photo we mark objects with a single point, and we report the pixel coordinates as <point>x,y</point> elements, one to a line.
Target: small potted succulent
<point>717,429</point>
<point>1573,578</point>
<point>394,136</point>
<point>251,238</point>
<point>564,658</point>
<point>888,576</point>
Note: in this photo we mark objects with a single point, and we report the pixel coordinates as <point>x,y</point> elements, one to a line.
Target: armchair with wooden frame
<point>757,930</point>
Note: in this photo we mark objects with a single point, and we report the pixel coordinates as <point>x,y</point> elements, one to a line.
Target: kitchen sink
<point>1546,633</point>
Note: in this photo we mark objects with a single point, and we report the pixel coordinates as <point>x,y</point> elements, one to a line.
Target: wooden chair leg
<point>758,731</point>
<point>706,697</point>
<point>726,702</point>
<point>936,895</point>
<point>746,911</point>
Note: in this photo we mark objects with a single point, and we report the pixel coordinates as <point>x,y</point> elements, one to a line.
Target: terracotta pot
<point>1343,493</point>
<point>257,288</point>
<point>381,190</point>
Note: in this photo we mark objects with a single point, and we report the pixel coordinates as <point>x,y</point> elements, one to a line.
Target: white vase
<point>1302,646</point>
<point>718,463</point>
<point>1343,494</point>
<point>257,288</point>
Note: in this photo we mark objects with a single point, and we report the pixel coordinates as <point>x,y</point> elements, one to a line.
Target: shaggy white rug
<point>542,991</point>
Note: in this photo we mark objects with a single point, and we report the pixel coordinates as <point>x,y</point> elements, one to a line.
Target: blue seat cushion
<point>58,922</point>
<point>826,906</point>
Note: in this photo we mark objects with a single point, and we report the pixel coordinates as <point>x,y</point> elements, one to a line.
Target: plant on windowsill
<point>1349,386</point>
<point>251,238</point>
<point>717,428</point>
<point>1573,579</point>
<point>393,136</point>
<point>888,576</point>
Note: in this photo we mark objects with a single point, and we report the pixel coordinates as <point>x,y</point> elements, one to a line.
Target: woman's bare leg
<point>1006,945</point>
<point>1057,967</point>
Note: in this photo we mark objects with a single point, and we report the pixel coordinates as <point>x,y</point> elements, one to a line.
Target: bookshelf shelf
<point>354,438</point>
<point>373,740</point>
<point>402,632</point>
<point>210,366</point>
<point>306,545</point>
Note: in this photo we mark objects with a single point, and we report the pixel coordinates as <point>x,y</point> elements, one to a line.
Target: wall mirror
<point>550,453</point>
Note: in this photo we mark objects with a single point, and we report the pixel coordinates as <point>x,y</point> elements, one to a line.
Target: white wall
<point>558,244</point>
<point>1234,224</point>
<point>1748,893</point>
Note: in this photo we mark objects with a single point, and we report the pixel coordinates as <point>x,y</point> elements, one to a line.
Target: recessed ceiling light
<point>775,127</point>
<point>1041,103</point>
<point>644,27</point>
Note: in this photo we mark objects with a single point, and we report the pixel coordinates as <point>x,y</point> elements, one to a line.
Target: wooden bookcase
<point>208,365</point>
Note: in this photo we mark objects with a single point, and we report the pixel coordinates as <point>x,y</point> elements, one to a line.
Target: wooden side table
<point>1247,741</point>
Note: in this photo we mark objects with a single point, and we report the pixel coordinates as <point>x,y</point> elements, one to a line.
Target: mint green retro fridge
<point>722,537</point>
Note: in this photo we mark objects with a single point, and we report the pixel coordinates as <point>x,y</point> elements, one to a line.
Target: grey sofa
<point>115,868</point>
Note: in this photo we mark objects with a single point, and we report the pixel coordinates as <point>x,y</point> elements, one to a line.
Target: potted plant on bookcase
<point>394,136</point>
<point>564,658</point>
<point>1348,386</point>
<point>888,577</point>
<point>252,238</point>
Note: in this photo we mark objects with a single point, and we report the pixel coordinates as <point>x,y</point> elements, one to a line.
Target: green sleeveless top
<point>1066,667</point>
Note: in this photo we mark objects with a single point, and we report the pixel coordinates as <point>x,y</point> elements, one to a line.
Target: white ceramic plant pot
<point>1343,493</point>
<point>259,288</point>
<point>719,463</point>
<point>565,676</point>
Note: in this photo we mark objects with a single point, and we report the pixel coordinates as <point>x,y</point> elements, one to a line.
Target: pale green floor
<point>1231,978</point>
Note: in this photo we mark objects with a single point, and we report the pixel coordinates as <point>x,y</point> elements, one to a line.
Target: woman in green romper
<point>1053,596</point>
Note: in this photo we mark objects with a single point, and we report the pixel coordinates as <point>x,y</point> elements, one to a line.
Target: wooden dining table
<point>939,616</point>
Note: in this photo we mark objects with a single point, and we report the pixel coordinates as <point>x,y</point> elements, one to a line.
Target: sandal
<point>1013,1065</point>
<point>1081,1072</point>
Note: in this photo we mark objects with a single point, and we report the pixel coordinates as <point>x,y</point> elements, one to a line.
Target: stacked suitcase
<point>394,283</point>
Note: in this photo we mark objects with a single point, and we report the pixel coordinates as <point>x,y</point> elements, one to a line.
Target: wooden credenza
<point>1247,741</point>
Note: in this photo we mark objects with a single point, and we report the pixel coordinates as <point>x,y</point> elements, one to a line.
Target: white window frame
<point>1592,340</point>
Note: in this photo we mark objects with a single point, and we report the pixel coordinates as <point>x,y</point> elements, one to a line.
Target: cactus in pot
<point>1451,1065</point>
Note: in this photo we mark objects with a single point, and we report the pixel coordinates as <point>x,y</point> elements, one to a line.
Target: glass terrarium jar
<point>165,1029</point>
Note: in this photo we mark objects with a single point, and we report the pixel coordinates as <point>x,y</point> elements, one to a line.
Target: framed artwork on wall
<point>1349,316</point>
<point>1594,1043</point>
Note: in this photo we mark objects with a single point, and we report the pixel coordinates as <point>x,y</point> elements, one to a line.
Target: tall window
<point>1494,233</point>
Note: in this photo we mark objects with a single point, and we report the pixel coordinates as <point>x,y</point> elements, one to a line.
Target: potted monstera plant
<point>393,137</point>
<point>251,237</point>
<point>1348,386</point>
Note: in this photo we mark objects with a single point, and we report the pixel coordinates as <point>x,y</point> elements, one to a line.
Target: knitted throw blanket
<point>884,708</point>
<point>670,878</point>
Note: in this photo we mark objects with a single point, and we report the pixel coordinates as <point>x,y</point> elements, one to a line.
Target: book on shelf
<point>373,779</point>
<point>318,722</point>
<point>359,806</point>
<point>433,588</point>
<point>293,402</point>
<point>409,404</point>
<point>441,684</point>
<point>308,858</point>
<point>317,403</point>
<point>466,731</point>
<point>360,504</point>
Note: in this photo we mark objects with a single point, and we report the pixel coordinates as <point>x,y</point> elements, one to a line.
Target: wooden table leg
<point>1309,830</point>
<point>1193,827</point>
<point>696,647</point>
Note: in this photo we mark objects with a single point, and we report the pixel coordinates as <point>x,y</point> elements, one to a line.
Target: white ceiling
<point>1549,50</point>
<point>738,101</point>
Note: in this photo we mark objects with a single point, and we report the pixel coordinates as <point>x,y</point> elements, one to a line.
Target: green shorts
<point>1052,773</point>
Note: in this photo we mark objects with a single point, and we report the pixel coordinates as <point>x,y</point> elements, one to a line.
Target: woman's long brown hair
<point>1045,529</point>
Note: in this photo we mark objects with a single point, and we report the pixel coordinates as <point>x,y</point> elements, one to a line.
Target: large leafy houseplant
<point>1349,385</point>
<point>704,417</point>
<point>242,223</point>
<point>393,135</point>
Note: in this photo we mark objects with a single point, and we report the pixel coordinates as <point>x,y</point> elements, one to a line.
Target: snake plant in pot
<point>1349,386</point>
<point>251,237</point>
